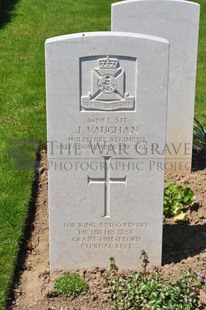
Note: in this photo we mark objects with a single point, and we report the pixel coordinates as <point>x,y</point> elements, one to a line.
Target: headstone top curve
<point>166,1</point>
<point>84,35</point>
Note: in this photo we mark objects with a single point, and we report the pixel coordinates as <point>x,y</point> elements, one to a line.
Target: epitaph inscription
<point>106,236</point>
<point>108,83</point>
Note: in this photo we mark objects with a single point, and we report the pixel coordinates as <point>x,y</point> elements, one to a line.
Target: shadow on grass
<point>26,235</point>
<point>198,160</point>
<point>7,11</point>
<point>181,240</point>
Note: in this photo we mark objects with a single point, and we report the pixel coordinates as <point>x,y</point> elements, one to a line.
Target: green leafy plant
<point>199,136</point>
<point>144,290</point>
<point>113,266</point>
<point>70,284</point>
<point>145,261</point>
<point>177,199</point>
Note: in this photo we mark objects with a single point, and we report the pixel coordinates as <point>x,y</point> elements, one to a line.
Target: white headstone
<point>178,22</point>
<point>106,104</point>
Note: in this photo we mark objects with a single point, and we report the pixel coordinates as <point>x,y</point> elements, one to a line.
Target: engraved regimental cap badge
<point>107,88</point>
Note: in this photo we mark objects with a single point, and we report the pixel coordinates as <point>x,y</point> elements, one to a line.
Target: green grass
<point>22,99</point>
<point>70,284</point>
<point>200,107</point>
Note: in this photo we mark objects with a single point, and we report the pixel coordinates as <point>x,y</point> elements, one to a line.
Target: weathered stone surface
<point>106,105</point>
<point>178,22</point>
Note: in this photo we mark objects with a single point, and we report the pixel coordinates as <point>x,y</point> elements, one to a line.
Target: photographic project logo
<point>22,155</point>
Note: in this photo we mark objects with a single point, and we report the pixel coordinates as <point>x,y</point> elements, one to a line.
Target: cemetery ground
<point>24,27</point>
<point>184,247</point>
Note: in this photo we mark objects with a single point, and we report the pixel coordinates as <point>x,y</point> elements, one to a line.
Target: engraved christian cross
<point>106,180</point>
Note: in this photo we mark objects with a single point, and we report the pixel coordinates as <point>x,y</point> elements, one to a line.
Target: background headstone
<point>106,105</point>
<point>178,22</point>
